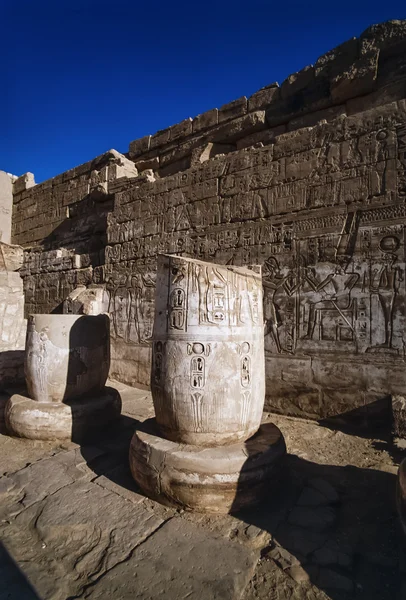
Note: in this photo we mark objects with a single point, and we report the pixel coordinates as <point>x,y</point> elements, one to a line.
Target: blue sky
<point>82,77</point>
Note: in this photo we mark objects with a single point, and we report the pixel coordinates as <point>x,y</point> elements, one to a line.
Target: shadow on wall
<point>335,528</point>
<point>14,584</point>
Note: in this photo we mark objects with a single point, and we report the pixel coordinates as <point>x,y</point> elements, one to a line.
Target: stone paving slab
<point>181,560</point>
<point>75,525</point>
<point>74,535</point>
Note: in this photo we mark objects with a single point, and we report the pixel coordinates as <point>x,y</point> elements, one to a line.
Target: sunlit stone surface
<point>208,380</point>
<point>205,450</point>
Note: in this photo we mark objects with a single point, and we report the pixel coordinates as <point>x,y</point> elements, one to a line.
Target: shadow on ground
<point>14,585</point>
<point>331,528</point>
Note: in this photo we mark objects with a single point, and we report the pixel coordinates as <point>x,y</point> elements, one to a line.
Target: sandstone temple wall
<point>12,322</point>
<point>307,179</point>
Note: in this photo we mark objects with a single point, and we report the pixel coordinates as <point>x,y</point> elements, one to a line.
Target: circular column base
<point>217,480</point>
<point>74,420</point>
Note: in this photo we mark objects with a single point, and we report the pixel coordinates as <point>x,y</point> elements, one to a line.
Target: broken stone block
<point>205,120</point>
<point>263,97</point>
<point>232,110</point>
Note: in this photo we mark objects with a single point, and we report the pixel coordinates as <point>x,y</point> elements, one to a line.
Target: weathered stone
<point>232,110</point>
<point>213,391</point>
<point>358,80</point>
<point>325,489</point>
<point>139,147</point>
<point>218,479</point>
<point>92,300</point>
<point>320,207</point>
<point>297,81</point>
<point>205,120</point>
<point>238,128</point>
<point>24,182</point>
<point>180,130</point>
<point>149,163</point>
<point>182,555</point>
<point>6,206</point>
<point>67,356</point>
<point>160,138</point>
<point>300,540</point>
<point>263,97</point>
<point>76,544</point>
<point>75,420</point>
<point>268,136</point>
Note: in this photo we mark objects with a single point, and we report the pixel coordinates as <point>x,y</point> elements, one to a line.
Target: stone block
<point>358,80</point>
<point>263,97</point>
<point>140,146</point>
<point>312,119</point>
<point>238,128</point>
<point>205,120</point>
<point>146,164</point>
<point>384,95</point>
<point>232,110</point>
<point>266,137</point>
<point>297,81</point>
<point>160,138</point>
<point>6,206</point>
<point>24,182</point>
<point>180,130</point>
<point>338,59</point>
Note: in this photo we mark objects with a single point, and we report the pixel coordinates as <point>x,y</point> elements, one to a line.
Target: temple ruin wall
<point>307,179</point>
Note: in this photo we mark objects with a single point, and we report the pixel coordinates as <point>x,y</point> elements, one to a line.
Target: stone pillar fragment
<point>206,450</point>
<point>208,373</point>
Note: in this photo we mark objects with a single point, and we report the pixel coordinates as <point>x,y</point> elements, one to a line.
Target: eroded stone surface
<point>181,553</point>
<point>73,420</point>
<point>72,542</point>
<point>364,544</point>
<point>319,203</point>
<point>67,356</point>
<point>219,479</point>
<point>207,376</point>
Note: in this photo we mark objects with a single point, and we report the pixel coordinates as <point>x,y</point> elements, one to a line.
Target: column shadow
<point>332,527</point>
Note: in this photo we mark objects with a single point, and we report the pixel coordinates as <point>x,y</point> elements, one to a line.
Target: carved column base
<point>74,420</point>
<point>217,480</point>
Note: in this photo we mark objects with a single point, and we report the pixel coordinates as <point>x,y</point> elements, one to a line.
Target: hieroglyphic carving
<point>213,364</point>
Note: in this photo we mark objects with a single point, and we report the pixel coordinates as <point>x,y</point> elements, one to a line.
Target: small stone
<point>298,574</point>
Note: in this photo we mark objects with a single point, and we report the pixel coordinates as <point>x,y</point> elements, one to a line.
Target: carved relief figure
<point>276,285</point>
<point>333,291</point>
<point>385,282</point>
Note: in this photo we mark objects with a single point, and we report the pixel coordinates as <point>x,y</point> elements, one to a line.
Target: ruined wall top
<point>371,65</point>
<point>330,87</point>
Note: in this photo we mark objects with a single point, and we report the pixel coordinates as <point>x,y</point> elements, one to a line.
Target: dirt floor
<point>74,525</point>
